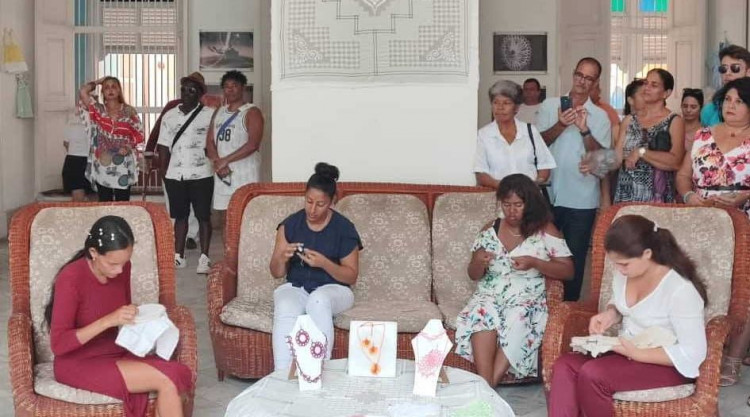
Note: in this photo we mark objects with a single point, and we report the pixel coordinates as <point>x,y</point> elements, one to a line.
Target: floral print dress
<point>715,172</point>
<point>511,301</point>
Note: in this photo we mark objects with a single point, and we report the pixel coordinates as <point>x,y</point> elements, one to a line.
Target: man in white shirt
<point>187,171</point>
<point>532,92</point>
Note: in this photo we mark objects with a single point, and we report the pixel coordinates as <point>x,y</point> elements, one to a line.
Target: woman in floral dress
<point>501,327</point>
<point>717,173</point>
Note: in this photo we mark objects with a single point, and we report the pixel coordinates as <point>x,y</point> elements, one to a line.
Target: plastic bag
<point>13,60</point>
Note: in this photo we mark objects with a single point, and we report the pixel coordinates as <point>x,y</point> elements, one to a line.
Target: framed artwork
<point>217,95</point>
<point>224,51</point>
<point>519,53</point>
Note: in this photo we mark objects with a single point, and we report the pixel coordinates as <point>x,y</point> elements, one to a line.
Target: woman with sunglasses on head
<point>692,102</point>
<point>115,130</point>
<point>650,156</point>
<point>717,174</point>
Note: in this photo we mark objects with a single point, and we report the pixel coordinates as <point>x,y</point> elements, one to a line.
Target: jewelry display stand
<point>372,348</point>
<point>308,346</point>
<point>431,346</point>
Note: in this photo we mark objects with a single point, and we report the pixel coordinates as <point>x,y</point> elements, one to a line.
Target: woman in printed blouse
<point>717,173</point>
<point>501,327</point>
<point>115,130</point>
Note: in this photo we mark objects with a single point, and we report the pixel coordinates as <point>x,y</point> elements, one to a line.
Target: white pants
<point>289,302</point>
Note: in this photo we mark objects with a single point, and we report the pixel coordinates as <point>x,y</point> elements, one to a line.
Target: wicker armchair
<point>42,237</point>
<point>725,270</point>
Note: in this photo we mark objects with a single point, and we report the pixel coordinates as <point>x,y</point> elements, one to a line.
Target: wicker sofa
<point>417,241</point>
<point>43,236</point>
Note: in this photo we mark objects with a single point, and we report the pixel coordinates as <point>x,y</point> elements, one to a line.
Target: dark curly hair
<point>536,212</point>
<point>233,75</point>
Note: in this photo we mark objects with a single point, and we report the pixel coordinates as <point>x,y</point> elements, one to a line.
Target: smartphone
<point>565,103</point>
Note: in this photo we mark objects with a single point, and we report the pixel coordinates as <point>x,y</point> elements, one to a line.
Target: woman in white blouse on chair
<point>656,284</point>
<point>507,145</point>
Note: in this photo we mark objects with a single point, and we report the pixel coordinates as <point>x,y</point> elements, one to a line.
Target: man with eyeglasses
<point>571,134</point>
<point>187,171</point>
<point>735,63</point>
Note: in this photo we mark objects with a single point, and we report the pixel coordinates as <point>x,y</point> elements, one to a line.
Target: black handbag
<point>662,141</point>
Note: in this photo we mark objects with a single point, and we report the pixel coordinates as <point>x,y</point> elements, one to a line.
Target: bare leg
<point>204,231</point>
<point>140,377</point>
<point>501,366</point>
<point>484,348</point>
<point>180,234</point>
<point>78,195</point>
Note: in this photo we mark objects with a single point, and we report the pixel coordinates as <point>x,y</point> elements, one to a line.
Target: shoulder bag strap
<point>225,125</point>
<point>187,123</point>
<point>533,145</point>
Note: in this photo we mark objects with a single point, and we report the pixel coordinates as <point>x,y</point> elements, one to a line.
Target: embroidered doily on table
<point>374,40</point>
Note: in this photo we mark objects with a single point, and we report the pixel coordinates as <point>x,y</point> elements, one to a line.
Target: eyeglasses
<point>581,76</point>
<point>736,68</point>
<point>189,90</point>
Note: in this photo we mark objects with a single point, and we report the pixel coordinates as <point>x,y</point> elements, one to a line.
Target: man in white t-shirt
<point>77,144</point>
<point>528,110</point>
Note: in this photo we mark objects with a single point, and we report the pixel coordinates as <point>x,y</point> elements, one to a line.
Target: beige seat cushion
<point>395,264</point>
<point>257,238</point>
<point>46,385</point>
<point>256,315</point>
<point>706,235</point>
<point>450,313</point>
<point>411,316</point>
<point>57,233</point>
<point>456,220</point>
<point>657,395</point>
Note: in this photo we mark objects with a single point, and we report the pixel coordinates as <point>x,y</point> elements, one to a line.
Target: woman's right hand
<point>289,250</point>
<point>602,321</point>
<point>123,315</point>
<point>482,257</point>
<point>697,200</point>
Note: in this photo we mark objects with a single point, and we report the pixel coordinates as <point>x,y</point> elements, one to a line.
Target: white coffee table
<point>345,396</point>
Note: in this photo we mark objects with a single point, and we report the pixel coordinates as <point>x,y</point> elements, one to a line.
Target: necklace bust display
<point>431,346</point>
<point>308,346</point>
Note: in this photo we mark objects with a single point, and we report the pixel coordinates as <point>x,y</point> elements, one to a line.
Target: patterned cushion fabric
<point>450,313</point>
<point>657,395</point>
<point>256,315</point>
<point>257,237</point>
<point>411,316</point>
<point>395,264</point>
<point>706,235</point>
<point>46,385</point>
<point>456,220</point>
<point>57,233</point>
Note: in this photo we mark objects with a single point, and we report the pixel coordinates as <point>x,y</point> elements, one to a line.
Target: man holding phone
<point>571,126</point>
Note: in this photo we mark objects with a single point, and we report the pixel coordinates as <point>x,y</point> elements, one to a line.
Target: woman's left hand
<point>314,258</point>
<point>627,349</point>
<point>729,199</point>
<point>524,263</point>
<point>632,159</point>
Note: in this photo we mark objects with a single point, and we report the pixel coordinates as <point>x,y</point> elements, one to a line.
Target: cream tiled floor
<point>213,396</point>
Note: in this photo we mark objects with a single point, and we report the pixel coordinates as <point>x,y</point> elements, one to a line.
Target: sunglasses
<point>189,90</point>
<point>736,68</point>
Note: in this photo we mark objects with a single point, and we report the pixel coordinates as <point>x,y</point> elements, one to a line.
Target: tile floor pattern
<point>213,396</point>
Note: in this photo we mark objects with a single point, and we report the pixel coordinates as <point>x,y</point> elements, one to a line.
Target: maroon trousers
<point>584,386</point>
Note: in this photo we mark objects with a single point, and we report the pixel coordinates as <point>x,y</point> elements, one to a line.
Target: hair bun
<point>326,170</point>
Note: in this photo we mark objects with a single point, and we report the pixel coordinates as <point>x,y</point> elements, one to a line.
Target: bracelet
<point>585,133</point>
<point>686,196</point>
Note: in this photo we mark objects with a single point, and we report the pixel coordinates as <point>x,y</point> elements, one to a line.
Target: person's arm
<point>684,183</point>
<point>542,176</point>
<point>605,193</point>
<point>153,137</point>
<point>211,152</point>
<point>672,160</point>
<point>346,272</point>
<point>620,139</point>
<point>596,132</point>
<point>545,160</point>
<point>563,121</point>
<point>560,263</point>
<point>254,127</point>
<point>485,180</point>
<point>84,93</point>
<point>480,258</point>
<point>282,252</point>
<point>163,160</point>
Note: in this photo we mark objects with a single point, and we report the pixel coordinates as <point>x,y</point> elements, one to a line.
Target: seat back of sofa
<point>456,220</point>
<point>257,238</point>
<point>57,233</point>
<point>707,237</point>
<point>395,231</point>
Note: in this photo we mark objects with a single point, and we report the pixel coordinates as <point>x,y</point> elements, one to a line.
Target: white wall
<point>515,16</point>
<point>16,135</point>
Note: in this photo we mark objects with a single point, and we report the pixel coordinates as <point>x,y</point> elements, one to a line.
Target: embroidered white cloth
<point>595,345</point>
<point>374,40</point>
<point>431,346</point>
<point>414,410</point>
<point>152,329</point>
<point>308,345</point>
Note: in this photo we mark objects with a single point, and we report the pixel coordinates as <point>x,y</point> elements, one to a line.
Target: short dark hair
<point>736,52</point>
<point>234,75</point>
<point>630,91</point>
<point>695,93</point>
<point>533,80</point>
<point>742,85</point>
<point>536,212</point>
<point>593,61</point>
<point>324,179</point>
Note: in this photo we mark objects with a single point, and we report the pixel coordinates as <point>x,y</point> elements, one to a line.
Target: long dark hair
<point>536,213</point>
<point>630,91</point>
<point>109,233</point>
<point>630,235</point>
<point>324,179</point>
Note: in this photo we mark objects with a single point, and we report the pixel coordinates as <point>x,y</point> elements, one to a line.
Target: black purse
<point>662,142</point>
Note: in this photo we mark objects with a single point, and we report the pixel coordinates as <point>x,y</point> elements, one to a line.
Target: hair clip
<point>656,227</point>
<point>101,232</point>
<point>112,237</point>
<point>100,242</point>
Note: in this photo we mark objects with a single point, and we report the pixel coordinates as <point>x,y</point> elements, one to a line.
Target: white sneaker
<point>204,264</point>
<point>179,261</point>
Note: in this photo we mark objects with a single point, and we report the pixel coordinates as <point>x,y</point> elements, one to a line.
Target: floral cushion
<point>657,395</point>
<point>256,315</point>
<point>257,237</point>
<point>457,219</point>
<point>706,235</point>
<point>395,264</point>
<point>411,316</point>
<point>57,233</point>
<point>450,313</point>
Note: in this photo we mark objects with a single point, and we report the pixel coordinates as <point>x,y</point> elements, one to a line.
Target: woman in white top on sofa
<point>504,146</point>
<point>656,284</point>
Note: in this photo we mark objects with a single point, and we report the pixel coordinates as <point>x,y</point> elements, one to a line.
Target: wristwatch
<point>641,151</point>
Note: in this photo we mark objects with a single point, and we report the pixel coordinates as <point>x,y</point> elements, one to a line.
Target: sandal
<point>730,371</point>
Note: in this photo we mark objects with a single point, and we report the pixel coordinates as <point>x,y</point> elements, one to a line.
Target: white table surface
<point>345,396</point>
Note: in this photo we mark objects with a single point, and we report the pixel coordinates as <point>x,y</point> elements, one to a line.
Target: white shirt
<point>674,305</point>
<point>78,138</point>
<point>528,113</point>
<point>498,158</point>
<point>188,159</point>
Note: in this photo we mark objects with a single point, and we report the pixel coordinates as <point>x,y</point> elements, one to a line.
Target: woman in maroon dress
<point>91,298</point>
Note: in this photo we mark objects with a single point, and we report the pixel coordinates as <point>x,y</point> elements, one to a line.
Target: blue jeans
<point>576,226</point>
